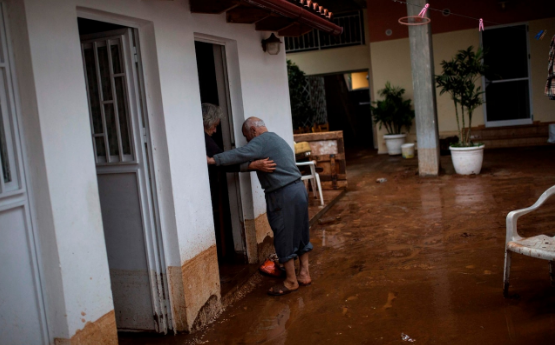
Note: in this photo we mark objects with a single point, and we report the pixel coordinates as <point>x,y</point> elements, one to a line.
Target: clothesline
<point>441,10</point>
<point>450,13</point>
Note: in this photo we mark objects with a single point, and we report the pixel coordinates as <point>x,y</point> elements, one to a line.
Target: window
<point>507,82</point>
<point>108,100</point>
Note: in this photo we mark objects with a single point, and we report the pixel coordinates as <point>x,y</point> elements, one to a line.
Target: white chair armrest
<point>306,163</point>
<point>513,216</point>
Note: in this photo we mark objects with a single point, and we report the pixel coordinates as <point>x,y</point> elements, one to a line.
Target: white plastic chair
<point>314,179</point>
<point>541,246</point>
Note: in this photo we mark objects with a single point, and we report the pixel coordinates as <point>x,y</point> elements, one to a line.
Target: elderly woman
<point>211,118</point>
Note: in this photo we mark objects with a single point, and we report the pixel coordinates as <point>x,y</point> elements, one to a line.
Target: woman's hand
<point>210,160</point>
<point>264,165</point>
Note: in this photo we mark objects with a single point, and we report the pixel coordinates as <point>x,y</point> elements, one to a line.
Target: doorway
<point>224,187</point>
<point>348,108</point>
<point>507,83</point>
<point>122,151</point>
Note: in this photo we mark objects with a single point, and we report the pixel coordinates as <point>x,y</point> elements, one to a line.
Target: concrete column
<point>422,63</point>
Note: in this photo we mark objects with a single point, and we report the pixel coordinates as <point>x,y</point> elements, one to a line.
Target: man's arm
<point>248,153</point>
<point>264,165</point>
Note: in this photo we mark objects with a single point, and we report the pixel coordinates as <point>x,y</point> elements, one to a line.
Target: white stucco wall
<point>60,130</point>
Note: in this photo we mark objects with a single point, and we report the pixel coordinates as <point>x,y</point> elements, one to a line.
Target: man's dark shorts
<point>287,210</point>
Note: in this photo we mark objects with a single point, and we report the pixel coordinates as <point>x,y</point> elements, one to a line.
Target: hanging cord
<point>450,13</point>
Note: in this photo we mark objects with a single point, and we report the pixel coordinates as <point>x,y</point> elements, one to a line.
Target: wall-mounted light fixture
<point>271,45</point>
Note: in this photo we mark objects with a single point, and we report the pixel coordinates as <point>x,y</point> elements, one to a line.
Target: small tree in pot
<point>394,113</point>
<point>459,78</point>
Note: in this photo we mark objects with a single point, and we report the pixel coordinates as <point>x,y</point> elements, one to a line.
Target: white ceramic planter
<point>467,160</point>
<point>394,142</point>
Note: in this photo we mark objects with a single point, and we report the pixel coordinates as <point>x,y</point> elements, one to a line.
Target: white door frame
<point>240,198</point>
<point>149,207</point>
<point>517,122</point>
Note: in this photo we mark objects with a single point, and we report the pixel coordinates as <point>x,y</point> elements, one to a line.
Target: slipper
<point>280,287</point>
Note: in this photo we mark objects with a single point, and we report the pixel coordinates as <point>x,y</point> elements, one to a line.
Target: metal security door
<point>121,149</point>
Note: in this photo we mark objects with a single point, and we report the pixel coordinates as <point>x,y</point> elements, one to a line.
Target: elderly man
<point>286,199</point>
<point>211,117</point>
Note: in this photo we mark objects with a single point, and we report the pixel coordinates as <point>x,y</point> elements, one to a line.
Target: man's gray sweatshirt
<point>266,145</point>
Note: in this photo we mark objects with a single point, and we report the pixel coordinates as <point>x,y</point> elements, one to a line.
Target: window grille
<point>108,100</point>
<point>353,34</point>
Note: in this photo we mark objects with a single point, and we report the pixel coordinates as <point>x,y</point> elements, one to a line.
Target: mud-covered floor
<point>420,258</point>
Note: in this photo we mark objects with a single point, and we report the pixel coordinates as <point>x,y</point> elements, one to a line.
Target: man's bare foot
<point>284,288</point>
<point>291,285</point>
<point>304,279</point>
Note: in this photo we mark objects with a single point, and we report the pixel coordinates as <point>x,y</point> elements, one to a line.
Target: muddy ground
<point>411,259</point>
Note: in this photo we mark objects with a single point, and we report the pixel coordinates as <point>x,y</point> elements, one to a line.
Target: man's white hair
<point>252,122</point>
<point>211,114</point>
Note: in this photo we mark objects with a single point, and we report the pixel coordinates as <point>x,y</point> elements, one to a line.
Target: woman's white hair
<point>211,114</point>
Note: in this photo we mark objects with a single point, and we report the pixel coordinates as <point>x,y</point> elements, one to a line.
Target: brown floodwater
<point>411,259</point>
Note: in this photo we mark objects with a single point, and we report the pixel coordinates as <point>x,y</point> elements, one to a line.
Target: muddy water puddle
<point>411,260</point>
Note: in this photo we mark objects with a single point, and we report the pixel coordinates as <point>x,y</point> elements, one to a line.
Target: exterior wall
<point>59,150</point>
<point>333,60</point>
<point>391,62</point>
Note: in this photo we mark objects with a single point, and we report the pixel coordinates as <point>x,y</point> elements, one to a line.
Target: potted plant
<point>459,78</point>
<point>393,113</point>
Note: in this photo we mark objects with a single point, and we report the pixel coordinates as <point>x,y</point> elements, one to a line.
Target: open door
<point>224,187</point>
<point>119,133</point>
<point>227,128</point>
